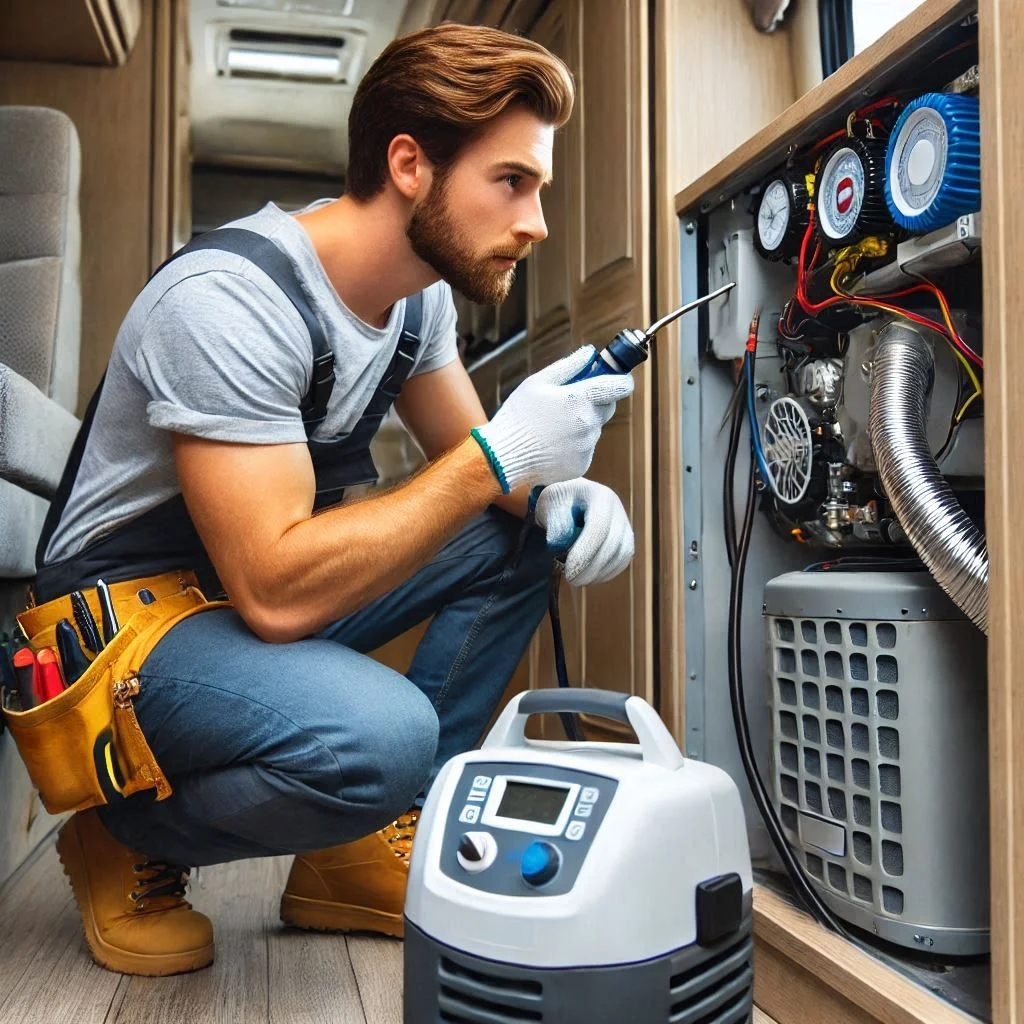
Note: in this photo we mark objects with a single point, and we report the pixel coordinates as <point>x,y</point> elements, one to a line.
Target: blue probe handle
<point>577,529</point>
<point>627,350</point>
<point>562,545</point>
<point>597,367</point>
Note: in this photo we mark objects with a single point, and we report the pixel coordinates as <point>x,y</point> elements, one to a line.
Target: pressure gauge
<point>851,191</point>
<point>933,165</point>
<point>781,217</point>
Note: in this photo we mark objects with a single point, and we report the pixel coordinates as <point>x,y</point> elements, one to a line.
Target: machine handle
<point>605,703</point>
<point>656,743</point>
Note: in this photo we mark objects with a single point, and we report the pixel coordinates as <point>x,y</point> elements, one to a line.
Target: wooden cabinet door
<point>589,280</point>
<point>551,268</point>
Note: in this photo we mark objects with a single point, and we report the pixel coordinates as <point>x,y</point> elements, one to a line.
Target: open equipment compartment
<point>861,643</point>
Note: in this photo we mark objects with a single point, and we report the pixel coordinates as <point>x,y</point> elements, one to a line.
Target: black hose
<point>561,673</point>
<point>737,700</point>
<point>728,496</point>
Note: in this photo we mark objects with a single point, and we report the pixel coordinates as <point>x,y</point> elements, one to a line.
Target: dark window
<point>849,26</point>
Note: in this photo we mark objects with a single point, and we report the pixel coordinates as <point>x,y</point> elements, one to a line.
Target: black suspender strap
<point>278,267</point>
<point>275,264</point>
<point>67,479</point>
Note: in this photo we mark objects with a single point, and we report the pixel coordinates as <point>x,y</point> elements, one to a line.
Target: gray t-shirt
<point>213,348</point>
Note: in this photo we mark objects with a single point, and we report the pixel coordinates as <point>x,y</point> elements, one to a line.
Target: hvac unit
<point>879,752</point>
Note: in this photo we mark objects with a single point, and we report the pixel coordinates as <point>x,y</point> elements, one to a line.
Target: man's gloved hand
<point>546,430</point>
<point>604,546</point>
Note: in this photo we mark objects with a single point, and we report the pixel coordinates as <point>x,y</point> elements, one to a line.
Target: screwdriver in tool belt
<point>629,348</point>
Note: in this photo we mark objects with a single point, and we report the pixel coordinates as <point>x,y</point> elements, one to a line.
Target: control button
<point>482,782</point>
<point>540,863</point>
<point>575,830</point>
<point>476,851</point>
<point>478,795</point>
<point>470,814</point>
<point>590,795</point>
<point>583,810</point>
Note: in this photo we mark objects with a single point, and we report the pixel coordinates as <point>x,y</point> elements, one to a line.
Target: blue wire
<point>755,434</point>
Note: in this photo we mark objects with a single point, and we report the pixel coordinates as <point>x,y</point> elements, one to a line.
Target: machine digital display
<point>532,803</point>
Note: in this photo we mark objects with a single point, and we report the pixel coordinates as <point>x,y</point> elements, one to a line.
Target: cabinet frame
<point>802,971</point>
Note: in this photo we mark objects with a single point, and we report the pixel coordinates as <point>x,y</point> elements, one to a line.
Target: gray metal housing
<point>879,752</point>
<point>712,985</point>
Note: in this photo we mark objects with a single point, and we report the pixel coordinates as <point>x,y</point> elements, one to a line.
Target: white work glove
<point>546,430</point>
<point>604,546</point>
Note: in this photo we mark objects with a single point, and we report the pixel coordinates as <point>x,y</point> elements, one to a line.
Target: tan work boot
<point>357,886</point>
<point>134,914</point>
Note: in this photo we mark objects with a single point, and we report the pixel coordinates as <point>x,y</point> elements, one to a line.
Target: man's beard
<point>437,241</point>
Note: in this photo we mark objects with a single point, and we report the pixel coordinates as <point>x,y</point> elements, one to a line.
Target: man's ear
<point>409,168</point>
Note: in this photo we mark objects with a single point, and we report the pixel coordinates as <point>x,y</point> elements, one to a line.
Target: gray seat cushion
<point>40,320</point>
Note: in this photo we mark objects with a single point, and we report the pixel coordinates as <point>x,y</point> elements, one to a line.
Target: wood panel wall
<point>1001,29</point>
<point>717,82</point>
<point>124,207</point>
<point>587,281</point>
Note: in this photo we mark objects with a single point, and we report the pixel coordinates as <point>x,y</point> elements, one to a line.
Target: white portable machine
<point>579,883</point>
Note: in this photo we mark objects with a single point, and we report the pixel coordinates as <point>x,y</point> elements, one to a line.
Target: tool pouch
<point>84,747</point>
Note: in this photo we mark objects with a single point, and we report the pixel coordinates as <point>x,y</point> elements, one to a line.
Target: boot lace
<point>401,832</point>
<point>159,885</point>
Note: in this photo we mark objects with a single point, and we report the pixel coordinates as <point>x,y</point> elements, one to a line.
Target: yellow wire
<point>972,376</point>
<point>963,409</point>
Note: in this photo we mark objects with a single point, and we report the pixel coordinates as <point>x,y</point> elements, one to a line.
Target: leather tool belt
<point>84,746</point>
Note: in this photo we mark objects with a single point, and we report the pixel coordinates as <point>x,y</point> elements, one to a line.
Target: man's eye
<point>513,179</point>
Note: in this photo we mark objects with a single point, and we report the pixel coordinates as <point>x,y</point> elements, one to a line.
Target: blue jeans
<point>285,748</point>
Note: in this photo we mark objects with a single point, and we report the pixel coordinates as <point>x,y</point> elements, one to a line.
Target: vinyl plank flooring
<point>377,963</point>
<point>311,979</point>
<point>240,898</point>
<point>46,975</point>
<point>263,971</point>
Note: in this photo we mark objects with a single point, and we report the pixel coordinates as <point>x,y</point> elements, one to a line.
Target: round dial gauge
<point>773,215</point>
<point>933,166</point>
<point>851,194</point>
<point>781,217</point>
<point>842,194</point>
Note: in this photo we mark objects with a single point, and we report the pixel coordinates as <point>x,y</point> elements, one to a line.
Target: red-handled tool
<point>52,681</point>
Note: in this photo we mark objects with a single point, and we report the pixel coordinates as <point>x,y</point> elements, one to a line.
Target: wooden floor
<point>263,972</point>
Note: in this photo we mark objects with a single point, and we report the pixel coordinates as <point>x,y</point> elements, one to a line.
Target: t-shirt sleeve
<point>440,342</point>
<point>221,359</point>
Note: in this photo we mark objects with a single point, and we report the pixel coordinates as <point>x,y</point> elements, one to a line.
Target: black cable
<point>737,701</point>
<point>728,498</point>
<point>561,673</point>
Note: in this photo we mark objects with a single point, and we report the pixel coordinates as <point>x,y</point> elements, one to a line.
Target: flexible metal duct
<point>941,532</point>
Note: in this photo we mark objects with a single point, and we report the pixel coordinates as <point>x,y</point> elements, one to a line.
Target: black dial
<point>851,191</point>
<point>781,218</point>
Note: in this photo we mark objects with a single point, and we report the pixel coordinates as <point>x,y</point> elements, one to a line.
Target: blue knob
<point>540,863</point>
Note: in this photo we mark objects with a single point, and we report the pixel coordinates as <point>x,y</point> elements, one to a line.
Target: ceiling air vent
<point>329,58</point>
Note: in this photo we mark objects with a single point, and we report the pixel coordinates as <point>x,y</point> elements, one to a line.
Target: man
<point>276,731</point>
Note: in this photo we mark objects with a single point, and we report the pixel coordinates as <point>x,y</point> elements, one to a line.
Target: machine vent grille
<point>716,991</point>
<point>470,996</point>
<point>848,739</point>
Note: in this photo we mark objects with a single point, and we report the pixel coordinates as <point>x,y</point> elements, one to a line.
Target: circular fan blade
<point>788,449</point>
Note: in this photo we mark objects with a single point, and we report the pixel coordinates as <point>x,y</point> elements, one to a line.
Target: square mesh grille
<point>836,749</point>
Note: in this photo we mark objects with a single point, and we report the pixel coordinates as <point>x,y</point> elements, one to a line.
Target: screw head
<point>693,584</point>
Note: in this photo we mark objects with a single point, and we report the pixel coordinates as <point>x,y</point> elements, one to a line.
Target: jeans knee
<point>400,750</point>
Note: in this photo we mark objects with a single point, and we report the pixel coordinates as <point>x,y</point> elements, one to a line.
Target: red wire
<point>887,102</point>
<point>875,301</point>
